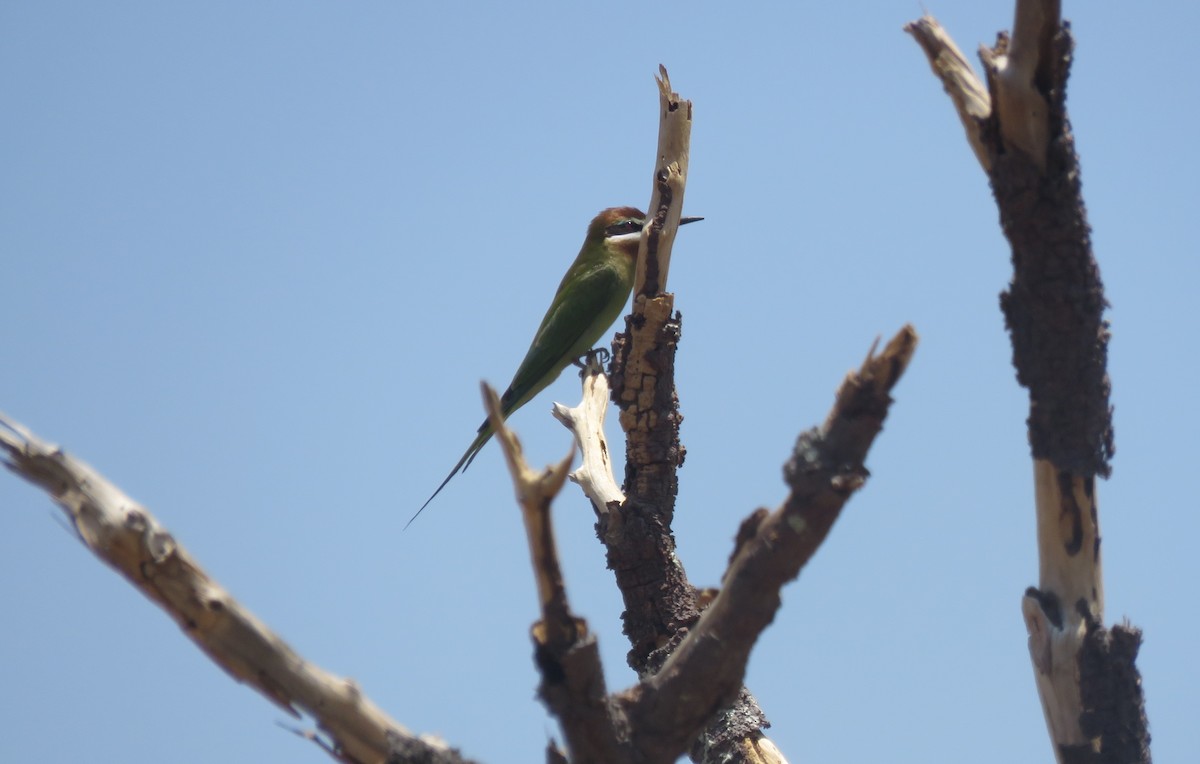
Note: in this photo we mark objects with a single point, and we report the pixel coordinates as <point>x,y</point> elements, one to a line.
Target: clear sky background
<point>256,257</point>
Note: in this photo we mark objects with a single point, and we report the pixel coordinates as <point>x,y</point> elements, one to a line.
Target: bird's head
<point>620,228</point>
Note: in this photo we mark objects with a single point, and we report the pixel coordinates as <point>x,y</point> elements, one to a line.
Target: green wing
<point>582,311</point>
<point>585,305</point>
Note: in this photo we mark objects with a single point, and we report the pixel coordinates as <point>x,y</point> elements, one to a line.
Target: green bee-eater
<point>587,302</point>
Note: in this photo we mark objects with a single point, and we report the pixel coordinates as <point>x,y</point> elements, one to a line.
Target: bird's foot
<point>596,356</point>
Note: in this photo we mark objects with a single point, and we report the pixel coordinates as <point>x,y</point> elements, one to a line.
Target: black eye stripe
<point>622,228</point>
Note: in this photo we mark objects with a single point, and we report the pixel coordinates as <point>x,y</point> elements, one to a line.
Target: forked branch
<point>705,672</point>
<point>566,653</point>
<point>1054,310</point>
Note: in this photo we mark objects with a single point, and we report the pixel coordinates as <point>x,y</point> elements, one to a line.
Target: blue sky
<point>257,257</point>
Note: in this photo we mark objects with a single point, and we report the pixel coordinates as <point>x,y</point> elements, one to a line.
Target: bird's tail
<point>485,434</point>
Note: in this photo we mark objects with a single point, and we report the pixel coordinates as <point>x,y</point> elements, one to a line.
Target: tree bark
<point>1054,310</point>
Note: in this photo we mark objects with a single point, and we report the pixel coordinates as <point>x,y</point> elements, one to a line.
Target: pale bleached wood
<point>586,422</point>
<point>535,489</point>
<point>968,93</point>
<point>127,537</point>
<point>1070,593</point>
<point>666,199</point>
<point>1023,112</point>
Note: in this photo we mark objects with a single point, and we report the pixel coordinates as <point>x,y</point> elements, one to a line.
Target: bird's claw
<point>598,356</point>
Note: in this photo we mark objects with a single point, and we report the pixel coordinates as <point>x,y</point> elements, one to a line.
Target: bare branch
<point>1054,311</point>
<point>640,546</point>
<point>705,672</point>
<point>567,655</point>
<point>969,94</point>
<point>660,604</point>
<point>666,201</point>
<point>124,535</point>
<point>586,422</point>
<point>1021,76</point>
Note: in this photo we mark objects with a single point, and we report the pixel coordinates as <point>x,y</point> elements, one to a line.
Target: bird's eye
<point>624,227</point>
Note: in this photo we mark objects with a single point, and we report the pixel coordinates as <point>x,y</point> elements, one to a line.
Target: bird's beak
<point>685,221</point>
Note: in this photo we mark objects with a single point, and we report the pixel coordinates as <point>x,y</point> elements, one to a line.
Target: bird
<point>588,301</point>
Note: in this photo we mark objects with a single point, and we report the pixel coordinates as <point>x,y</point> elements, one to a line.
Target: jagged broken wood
<point>666,199</point>
<point>128,538</point>
<point>660,717</point>
<point>969,94</point>
<point>1090,693</point>
<point>586,422</point>
<point>637,537</point>
<point>704,673</point>
<point>639,544</point>
<point>566,653</point>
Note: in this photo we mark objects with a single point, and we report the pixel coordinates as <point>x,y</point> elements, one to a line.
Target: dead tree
<point>1018,127</point>
<point>689,647</point>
